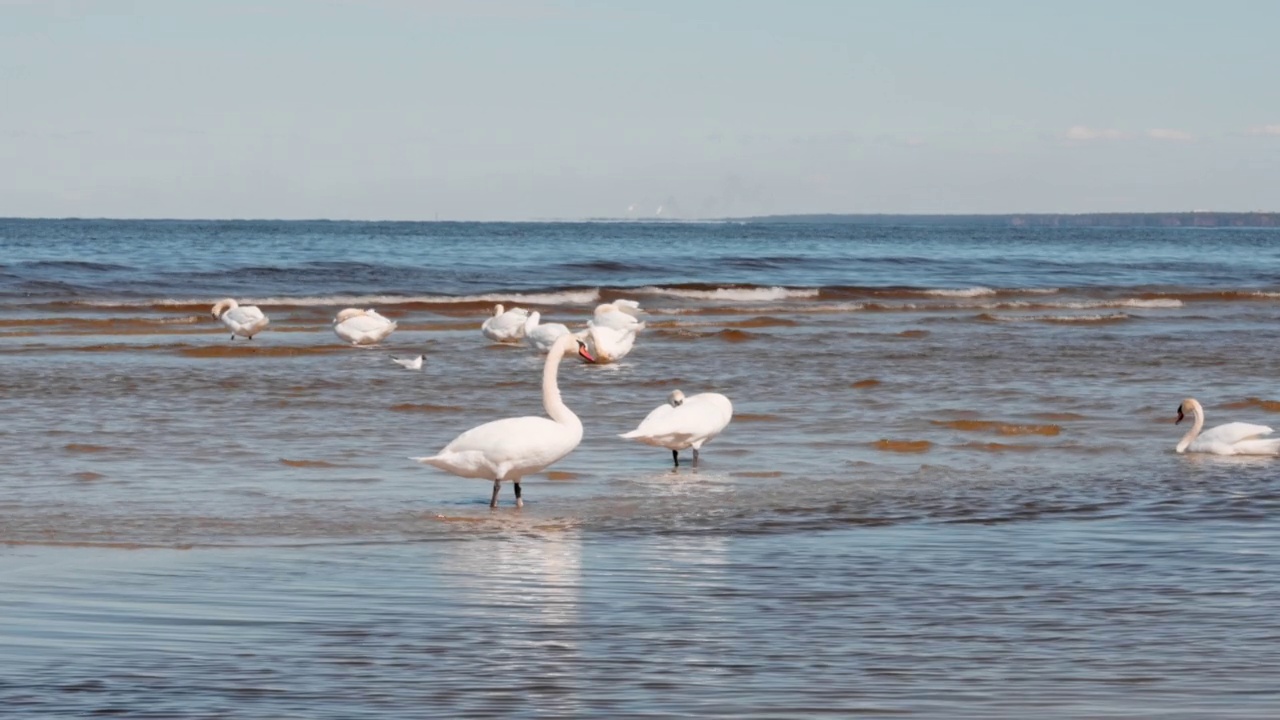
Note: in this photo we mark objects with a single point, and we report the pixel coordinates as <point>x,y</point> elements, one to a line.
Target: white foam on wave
<point>735,294</point>
<point>961,292</point>
<point>564,297</point>
<point>1080,304</point>
<point>1093,318</point>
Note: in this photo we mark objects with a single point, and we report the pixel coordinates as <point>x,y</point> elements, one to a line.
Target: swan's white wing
<point>507,326</point>
<point>506,449</point>
<point>609,344</point>
<point>246,314</point>
<point>1233,433</point>
<point>1264,446</point>
<point>630,307</point>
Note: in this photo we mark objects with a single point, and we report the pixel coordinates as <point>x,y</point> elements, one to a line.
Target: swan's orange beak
<point>1180,416</point>
<point>584,354</point>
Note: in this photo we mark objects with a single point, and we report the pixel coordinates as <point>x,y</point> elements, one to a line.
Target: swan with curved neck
<point>511,448</point>
<point>362,327</point>
<point>541,336</point>
<point>242,320</point>
<point>684,422</point>
<point>505,325</point>
<point>1235,438</point>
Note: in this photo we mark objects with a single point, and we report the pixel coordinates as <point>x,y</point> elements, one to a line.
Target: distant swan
<point>619,315</point>
<point>512,448</point>
<point>1235,438</point>
<point>541,337</point>
<point>505,325</point>
<point>362,327</point>
<point>246,320</point>
<point>684,422</point>
<point>607,344</point>
<point>414,363</point>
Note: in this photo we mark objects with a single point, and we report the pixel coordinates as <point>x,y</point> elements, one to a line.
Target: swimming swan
<point>1235,438</point>
<point>542,336</point>
<point>413,363</point>
<point>619,315</point>
<point>512,448</point>
<point>505,325</point>
<point>684,422</point>
<point>245,320</point>
<point>362,327</point>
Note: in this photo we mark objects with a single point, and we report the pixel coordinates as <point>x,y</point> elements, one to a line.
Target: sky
<point>548,109</point>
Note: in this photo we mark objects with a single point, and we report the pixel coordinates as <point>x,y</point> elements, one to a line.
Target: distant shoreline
<point>1164,220</point>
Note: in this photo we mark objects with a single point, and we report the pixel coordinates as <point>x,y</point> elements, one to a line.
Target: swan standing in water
<point>541,337</point>
<point>619,315</point>
<point>362,327</point>
<point>512,448</point>
<point>684,422</point>
<point>505,325</point>
<point>1235,438</point>
<point>608,344</point>
<point>413,363</point>
<point>246,320</point>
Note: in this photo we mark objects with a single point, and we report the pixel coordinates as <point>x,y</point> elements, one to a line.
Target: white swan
<point>619,315</point>
<point>512,448</point>
<point>414,363</point>
<point>684,422</point>
<point>607,344</point>
<point>1235,438</point>
<point>505,325</point>
<point>362,327</point>
<point>245,320</point>
<point>542,336</point>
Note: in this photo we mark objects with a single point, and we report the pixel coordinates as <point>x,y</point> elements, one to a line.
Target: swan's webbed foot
<point>675,457</point>
<point>519,500</point>
<point>493,501</point>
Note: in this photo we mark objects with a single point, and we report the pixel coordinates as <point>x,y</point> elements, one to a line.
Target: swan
<point>246,320</point>
<point>542,336</point>
<point>362,327</point>
<point>682,422</point>
<point>608,345</point>
<point>1235,438</point>
<point>511,448</point>
<point>619,315</point>
<point>414,363</point>
<point>505,325</point>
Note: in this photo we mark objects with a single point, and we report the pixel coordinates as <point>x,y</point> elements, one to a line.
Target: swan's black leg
<point>519,501</point>
<point>493,501</point>
<point>233,336</point>
<point>675,457</point>
<point>695,457</point>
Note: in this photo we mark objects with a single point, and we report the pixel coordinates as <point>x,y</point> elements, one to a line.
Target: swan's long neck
<point>1197,415</point>
<point>555,407</point>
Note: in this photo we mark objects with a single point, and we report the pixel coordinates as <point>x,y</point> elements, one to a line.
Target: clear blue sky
<point>537,109</point>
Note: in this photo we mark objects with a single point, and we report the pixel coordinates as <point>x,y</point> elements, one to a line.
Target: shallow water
<point>949,488</point>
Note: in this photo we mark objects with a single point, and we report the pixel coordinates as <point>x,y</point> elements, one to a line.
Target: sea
<point>949,488</point>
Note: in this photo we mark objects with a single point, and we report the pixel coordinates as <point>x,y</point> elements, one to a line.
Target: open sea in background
<point>949,489</point>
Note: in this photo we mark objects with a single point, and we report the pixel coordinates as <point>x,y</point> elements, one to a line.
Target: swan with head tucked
<point>1235,438</point>
<point>505,325</point>
<point>607,344</point>
<point>619,315</point>
<point>512,448</point>
<point>684,422</point>
<point>541,336</point>
<point>362,327</point>
<point>243,320</point>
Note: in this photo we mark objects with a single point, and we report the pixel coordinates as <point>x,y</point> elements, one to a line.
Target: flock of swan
<point>511,448</point>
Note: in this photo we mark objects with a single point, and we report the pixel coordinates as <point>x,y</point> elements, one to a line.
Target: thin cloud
<point>1170,134</point>
<point>1265,130</point>
<point>1086,133</point>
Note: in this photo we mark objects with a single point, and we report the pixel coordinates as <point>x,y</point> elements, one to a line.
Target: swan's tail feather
<point>629,435</point>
